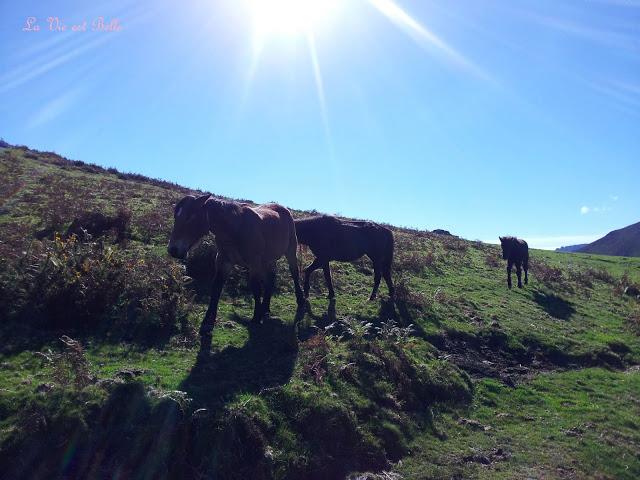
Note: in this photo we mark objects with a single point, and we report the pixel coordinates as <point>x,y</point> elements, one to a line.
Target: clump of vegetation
<point>581,277</point>
<point>551,276</point>
<point>313,358</point>
<point>92,225</point>
<point>634,321</point>
<point>71,367</point>
<point>405,293</point>
<point>68,284</point>
<point>415,261</point>
<point>153,224</point>
<point>454,245</point>
<point>391,331</point>
<point>492,260</point>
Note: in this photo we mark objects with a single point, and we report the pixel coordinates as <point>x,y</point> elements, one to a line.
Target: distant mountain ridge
<point>624,242</point>
<point>571,248</point>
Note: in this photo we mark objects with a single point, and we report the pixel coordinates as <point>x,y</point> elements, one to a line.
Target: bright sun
<point>289,17</point>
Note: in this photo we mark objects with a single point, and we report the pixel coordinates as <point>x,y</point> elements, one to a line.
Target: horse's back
<point>333,239</point>
<point>521,250</point>
<point>273,212</point>
<point>273,225</point>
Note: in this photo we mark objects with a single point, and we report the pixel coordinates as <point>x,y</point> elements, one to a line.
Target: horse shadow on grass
<point>310,323</point>
<point>398,311</point>
<point>265,361</point>
<point>554,305</point>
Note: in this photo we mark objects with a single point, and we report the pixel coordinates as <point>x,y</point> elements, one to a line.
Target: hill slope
<point>624,242</point>
<point>459,378</point>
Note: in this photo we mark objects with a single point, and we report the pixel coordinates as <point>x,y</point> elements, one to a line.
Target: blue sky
<point>482,117</point>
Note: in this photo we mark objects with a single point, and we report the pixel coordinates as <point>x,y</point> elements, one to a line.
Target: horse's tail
<point>388,247</point>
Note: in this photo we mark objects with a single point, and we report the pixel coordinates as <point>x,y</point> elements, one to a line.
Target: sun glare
<point>289,17</point>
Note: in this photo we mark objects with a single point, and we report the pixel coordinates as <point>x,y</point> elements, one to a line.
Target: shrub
<point>492,260</point>
<point>390,331</point>
<point>415,261</point>
<point>454,244</point>
<point>313,357</point>
<point>152,224</point>
<point>550,276</point>
<point>634,321</point>
<point>90,225</point>
<point>70,367</point>
<point>404,293</point>
<point>601,275</point>
<point>625,286</point>
<point>67,284</point>
<point>581,277</point>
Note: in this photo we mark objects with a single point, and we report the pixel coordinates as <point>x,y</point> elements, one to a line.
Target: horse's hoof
<point>372,298</point>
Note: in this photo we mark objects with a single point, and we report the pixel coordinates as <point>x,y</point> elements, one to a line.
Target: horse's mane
<point>513,240</point>
<point>225,206</point>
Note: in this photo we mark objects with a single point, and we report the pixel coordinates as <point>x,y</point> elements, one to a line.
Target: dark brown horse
<point>254,237</point>
<point>330,238</point>
<point>516,252</point>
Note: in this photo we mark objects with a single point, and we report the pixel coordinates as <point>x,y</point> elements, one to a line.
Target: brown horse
<point>330,238</point>
<point>254,237</point>
<point>516,251</point>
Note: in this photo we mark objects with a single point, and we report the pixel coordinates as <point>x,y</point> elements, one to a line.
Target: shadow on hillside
<point>16,337</point>
<point>554,305</point>
<point>266,360</point>
<point>307,328</point>
<point>397,311</point>
<point>404,314</point>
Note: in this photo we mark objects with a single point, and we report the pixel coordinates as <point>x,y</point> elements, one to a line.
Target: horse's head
<point>190,225</point>
<point>506,247</point>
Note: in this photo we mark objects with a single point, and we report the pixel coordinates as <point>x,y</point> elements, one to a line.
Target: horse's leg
<point>292,260</point>
<point>268,290</point>
<point>255,283</point>
<point>526,271</point>
<point>519,273</point>
<point>316,264</point>
<point>389,281</point>
<point>206,328</point>
<point>327,278</point>
<point>509,265</point>
<point>377,275</point>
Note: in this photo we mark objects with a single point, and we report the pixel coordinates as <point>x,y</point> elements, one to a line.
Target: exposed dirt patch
<point>488,354</point>
<point>497,454</point>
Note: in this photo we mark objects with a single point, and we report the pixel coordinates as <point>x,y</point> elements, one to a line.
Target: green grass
<point>493,383</point>
<point>575,424</point>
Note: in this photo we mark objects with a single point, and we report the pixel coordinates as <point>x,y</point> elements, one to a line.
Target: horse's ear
<point>501,239</point>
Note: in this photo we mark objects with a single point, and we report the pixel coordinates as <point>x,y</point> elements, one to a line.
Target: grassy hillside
<point>460,378</point>
<point>624,242</point>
